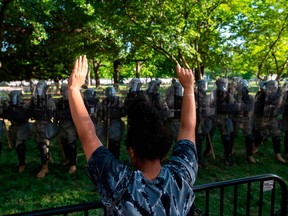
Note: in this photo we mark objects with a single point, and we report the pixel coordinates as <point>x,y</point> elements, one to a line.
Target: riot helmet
<point>64,91</point>
<point>15,97</point>
<point>89,94</point>
<point>235,85</point>
<point>244,84</point>
<point>178,89</point>
<point>41,88</point>
<point>202,86</point>
<point>153,87</point>
<point>110,91</point>
<point>222,84</point>
<point>272,87</point>
<point>135,85</point>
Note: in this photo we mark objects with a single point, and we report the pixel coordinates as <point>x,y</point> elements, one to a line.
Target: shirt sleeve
<point>107,173</point>
<point>184,160</point>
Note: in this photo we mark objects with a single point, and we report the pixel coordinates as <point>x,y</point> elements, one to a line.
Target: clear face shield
<point>89,94</point>
<point>110,92</point>
<point>202,86</point>
<point>14,97</point>
<point>271,87</point>
<point>135,85</point>
<point>178,89</point>
<point>41,88</point>
<point>222,85</point>
<point>244,84</point>
<point>153,87</point>
<point>262,85</point>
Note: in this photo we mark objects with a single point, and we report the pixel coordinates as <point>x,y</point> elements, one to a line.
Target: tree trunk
<point>138,68</point>
<point>198,73</point>
<point>116,74</point>
<point>96,66</point>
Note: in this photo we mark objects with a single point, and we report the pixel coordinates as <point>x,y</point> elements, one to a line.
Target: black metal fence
<point>257,195</point>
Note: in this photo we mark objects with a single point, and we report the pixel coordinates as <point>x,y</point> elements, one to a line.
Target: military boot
<point>44,170</point>
<point>21,151</point>
<point>279,158</point>
<point>73,157</point>
<point>249,149</point>
<point>277,150</point>
<point>72,169</point>
<point>226,140</point>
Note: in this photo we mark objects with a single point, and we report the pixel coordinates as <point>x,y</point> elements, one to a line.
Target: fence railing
<point>257,195</point>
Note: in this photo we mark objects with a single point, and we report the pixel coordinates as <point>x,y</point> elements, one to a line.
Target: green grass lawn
<point>24,192</point>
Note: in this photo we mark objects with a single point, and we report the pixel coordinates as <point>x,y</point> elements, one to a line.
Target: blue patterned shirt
<point>125,191</point>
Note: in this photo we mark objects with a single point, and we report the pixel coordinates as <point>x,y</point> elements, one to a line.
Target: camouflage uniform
<point>67,130</point>
<point>173,99</point>
<point>268,105</point>
<point>134,90</point>
<point>43,111</point>
<point>156,98</point>
<point>113,126</point>
<point>94,107</point>
<point>205,113</point>
<point>285,121</point>
<point>226,106</point>
<point>2,106</point>
<point>20,129</point>
<point>245,117</point>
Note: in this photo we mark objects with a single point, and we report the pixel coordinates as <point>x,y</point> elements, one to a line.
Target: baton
<point>211,146</point>
<point>7,135</point>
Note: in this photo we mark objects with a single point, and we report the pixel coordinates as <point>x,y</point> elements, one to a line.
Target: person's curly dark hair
<point>146,134</point>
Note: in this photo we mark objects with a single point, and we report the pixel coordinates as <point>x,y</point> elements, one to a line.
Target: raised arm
<point>83,123</point>
<point>188,113</point>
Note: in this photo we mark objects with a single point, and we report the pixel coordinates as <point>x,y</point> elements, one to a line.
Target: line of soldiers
<point>44,117</point>
<point>229,108</point>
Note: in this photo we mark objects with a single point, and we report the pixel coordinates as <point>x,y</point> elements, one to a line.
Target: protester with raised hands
<point>151,187</point>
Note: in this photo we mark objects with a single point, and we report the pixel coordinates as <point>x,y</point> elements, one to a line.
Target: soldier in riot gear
<point>20,129</point>
<point>244,118</point>
<point>285,119</point>
<point>94,107</point>
<point>266,122</point>
<point>157,99</point>
<point>134,90</point>
<point>226,106</point>
<point>113,110</point>
<point>43,111</point>
<point>205,113</point>
<point>173,98</point>
<point>67,131</point>
<point>2,123</point>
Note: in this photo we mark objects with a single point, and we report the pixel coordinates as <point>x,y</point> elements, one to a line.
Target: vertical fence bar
<point>207,202</point>
<point>235,199</point>
<point>248,198</point>
<point>261,199</point>
<point>221,201</point>
<point>272,199</point>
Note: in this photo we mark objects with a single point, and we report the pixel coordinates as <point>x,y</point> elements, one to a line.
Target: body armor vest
<point>15,112</point>
<point>111,107</point>
<point>271,107</point>
<point>64,112</point>
<point>225,105</point>
<point>39,109</point>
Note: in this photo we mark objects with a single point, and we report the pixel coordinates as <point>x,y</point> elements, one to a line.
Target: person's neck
<point>150,168</point>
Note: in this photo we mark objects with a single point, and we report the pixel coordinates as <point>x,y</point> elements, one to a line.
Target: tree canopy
<point>41,38</point>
